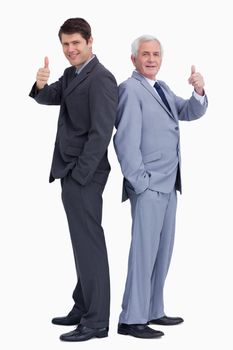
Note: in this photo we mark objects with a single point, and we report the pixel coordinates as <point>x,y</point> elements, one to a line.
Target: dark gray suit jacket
<point>87,114</point>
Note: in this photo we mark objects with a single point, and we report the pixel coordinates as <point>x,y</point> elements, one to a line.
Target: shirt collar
<point>78,70</point>
<point>150,81</point>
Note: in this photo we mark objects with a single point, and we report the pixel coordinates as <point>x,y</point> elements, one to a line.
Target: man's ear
<point>90,42</point>
<point>133,59</point>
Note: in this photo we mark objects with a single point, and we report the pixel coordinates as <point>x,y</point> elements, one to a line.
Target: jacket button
<point>176,128</point>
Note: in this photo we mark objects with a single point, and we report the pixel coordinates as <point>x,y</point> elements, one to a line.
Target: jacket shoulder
<point>130,85</point>
<point>101,70</point>
<point>101,79</point>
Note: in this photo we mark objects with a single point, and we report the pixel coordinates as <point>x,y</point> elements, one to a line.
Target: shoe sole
<point>65,324</point>
<point>101,335</point>
<point>123,332</point>
<point>165,324</point>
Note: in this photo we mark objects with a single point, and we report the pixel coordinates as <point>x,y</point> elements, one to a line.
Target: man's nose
<point>151,58</point>
<point>70,47</point>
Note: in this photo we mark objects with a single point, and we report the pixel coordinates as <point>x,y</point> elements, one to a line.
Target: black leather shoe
<point>167,321</point>
<point>82,333</point>
<point>69,320</point>
<point>138,331</point>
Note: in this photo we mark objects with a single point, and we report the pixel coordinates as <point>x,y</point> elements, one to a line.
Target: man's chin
<point>74,62</point>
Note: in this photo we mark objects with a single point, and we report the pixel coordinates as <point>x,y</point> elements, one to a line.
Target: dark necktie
<point>162,95</point>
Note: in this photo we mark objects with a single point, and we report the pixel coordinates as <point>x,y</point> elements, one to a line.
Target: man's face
<point>76,49</point>
<point>148,59</point>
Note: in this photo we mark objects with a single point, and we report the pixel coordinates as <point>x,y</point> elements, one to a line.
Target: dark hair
<point>76,25</point>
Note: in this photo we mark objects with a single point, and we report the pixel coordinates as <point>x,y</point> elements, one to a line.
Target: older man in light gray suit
<point>148,149</point>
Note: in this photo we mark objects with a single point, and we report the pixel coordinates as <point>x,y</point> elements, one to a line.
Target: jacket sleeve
<point>191,109</point>
<point>103,98</point>
<point>127,139</point>
<point>188,109</point>
<point>49,95</point>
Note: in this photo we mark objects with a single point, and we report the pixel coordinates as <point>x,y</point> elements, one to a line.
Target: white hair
<point>143,38</point>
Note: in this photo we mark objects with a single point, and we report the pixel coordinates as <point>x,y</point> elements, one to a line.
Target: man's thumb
<point>193,70</point>
<point>46,62</point>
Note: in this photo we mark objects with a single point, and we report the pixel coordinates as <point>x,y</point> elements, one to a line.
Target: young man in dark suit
<point>87,95</point>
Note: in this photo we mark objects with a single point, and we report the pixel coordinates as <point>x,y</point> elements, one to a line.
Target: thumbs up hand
<point>197,81</point>
<point>43,75</point>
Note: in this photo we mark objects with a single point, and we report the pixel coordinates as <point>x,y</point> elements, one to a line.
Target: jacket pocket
<point>151,157</point>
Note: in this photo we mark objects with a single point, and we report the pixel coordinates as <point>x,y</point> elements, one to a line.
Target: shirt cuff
<point>200,98</point>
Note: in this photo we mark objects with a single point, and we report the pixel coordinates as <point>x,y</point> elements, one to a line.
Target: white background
<point>37,269</point>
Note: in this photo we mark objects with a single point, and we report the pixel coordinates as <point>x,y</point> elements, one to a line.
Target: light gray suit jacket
<point>147,138</point>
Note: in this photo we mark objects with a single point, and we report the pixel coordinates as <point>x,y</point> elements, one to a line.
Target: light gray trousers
<point>153,229</point>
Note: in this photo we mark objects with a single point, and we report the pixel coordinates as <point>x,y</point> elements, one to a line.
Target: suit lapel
<point>78,79</point>
<point>151,90</point>
<point>170,101</point>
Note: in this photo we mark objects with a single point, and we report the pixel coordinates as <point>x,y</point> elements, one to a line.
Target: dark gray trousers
<point>83,207</point>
